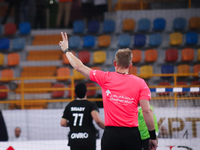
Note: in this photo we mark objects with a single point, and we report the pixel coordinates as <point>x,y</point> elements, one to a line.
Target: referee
<point>79,115</point>
<point>122,93</point>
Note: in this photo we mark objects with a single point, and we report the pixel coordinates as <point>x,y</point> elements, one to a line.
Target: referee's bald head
<point>80,90</point>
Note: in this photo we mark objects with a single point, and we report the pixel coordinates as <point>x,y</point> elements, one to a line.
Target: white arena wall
<point>42,128</point>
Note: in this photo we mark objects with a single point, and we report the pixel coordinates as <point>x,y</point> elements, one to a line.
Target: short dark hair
<point>80,90</point>
<point>123,57</point>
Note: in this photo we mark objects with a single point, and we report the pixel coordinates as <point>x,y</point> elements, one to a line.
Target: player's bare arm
<point>97,119</point>
<point>63,122</point>
<point>74,61</point>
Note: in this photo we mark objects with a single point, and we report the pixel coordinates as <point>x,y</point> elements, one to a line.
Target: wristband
<point>152,135</point>
<point>67,50</point>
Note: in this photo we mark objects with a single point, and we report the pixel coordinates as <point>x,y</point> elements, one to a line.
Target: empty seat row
<point>13,59</point>
<point>11,29</point>
<point>139,40</point>
<point>17,43</point>
<point>144,25</point>
<point>146,71</point>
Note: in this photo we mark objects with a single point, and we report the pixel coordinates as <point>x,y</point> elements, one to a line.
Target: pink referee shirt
<point>121,94</point>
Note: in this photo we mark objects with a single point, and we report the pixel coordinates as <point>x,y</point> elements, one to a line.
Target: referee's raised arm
<point>74,61</point>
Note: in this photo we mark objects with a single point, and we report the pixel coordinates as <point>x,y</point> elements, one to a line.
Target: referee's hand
<point>153,144</point>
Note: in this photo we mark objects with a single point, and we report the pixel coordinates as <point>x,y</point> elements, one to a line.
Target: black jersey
<point>82,130</point>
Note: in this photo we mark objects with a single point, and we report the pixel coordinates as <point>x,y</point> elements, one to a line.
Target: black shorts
<point>145,144</point>
<point>121,138</point>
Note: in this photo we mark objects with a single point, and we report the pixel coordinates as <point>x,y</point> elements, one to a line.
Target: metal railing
<point>22,89</point>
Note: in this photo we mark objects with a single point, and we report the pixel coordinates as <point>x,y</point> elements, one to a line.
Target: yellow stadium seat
<point>176,38</point>
<point>104,41</point>
<point>146,71</point>
<point>77,75</point>
<point>128,24</point>
<point>99,57</point>
<point>1,59</point>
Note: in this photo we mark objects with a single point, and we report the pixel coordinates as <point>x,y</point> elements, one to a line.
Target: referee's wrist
<point>67,50</point>
<point>152,135</point>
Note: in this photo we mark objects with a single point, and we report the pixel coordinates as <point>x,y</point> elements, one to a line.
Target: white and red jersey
<point>121,95</point>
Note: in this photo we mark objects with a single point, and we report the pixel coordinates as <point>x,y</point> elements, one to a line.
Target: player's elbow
<point>146,111</point>
<point>63,123</point>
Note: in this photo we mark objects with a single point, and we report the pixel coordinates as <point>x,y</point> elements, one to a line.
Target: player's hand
<point>64,43</point>
<point>153,144</point>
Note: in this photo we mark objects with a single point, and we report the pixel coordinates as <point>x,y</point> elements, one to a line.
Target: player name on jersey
<point>77,108</point>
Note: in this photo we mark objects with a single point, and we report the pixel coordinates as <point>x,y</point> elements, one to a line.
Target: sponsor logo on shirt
<point>94,72</point>
<point>79,135</point>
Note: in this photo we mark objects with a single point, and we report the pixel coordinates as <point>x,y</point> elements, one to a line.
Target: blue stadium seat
<point>144,25</point>
<point>167,69</point>
<point>159,24</point>
<point>89,41</point>
<point>78,26</point>
<point>155,39</point>
<point>24,28</point>
<point>18,43</point>
<point>139,40</point>
<point>4,44</point>
<point>191,38</point>
<point>124,40</point>
<point>108,26</point>
<point>93,26</point>
<point>179,24</point>
<point>74,41</point>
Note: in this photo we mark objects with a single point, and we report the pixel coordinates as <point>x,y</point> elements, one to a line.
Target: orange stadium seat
<point>58,94</point>
<point>1,59</point>
<point>104,41</point>
<point>63,72</point>
<point>137,55</point>
<point>171,55</point>
<point>196,68</point>
<point>7,73</point>
<point>65,60</point>
<point>187,54</point>
<point>146,71</point>
<point>84,56</point>
<point>151,55</point>
<point>194,23</point>
<point>183,69</point>
<point>13,59</point>
<point>128,24</point>
<point>133,70</point>
<point>176,38</point>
